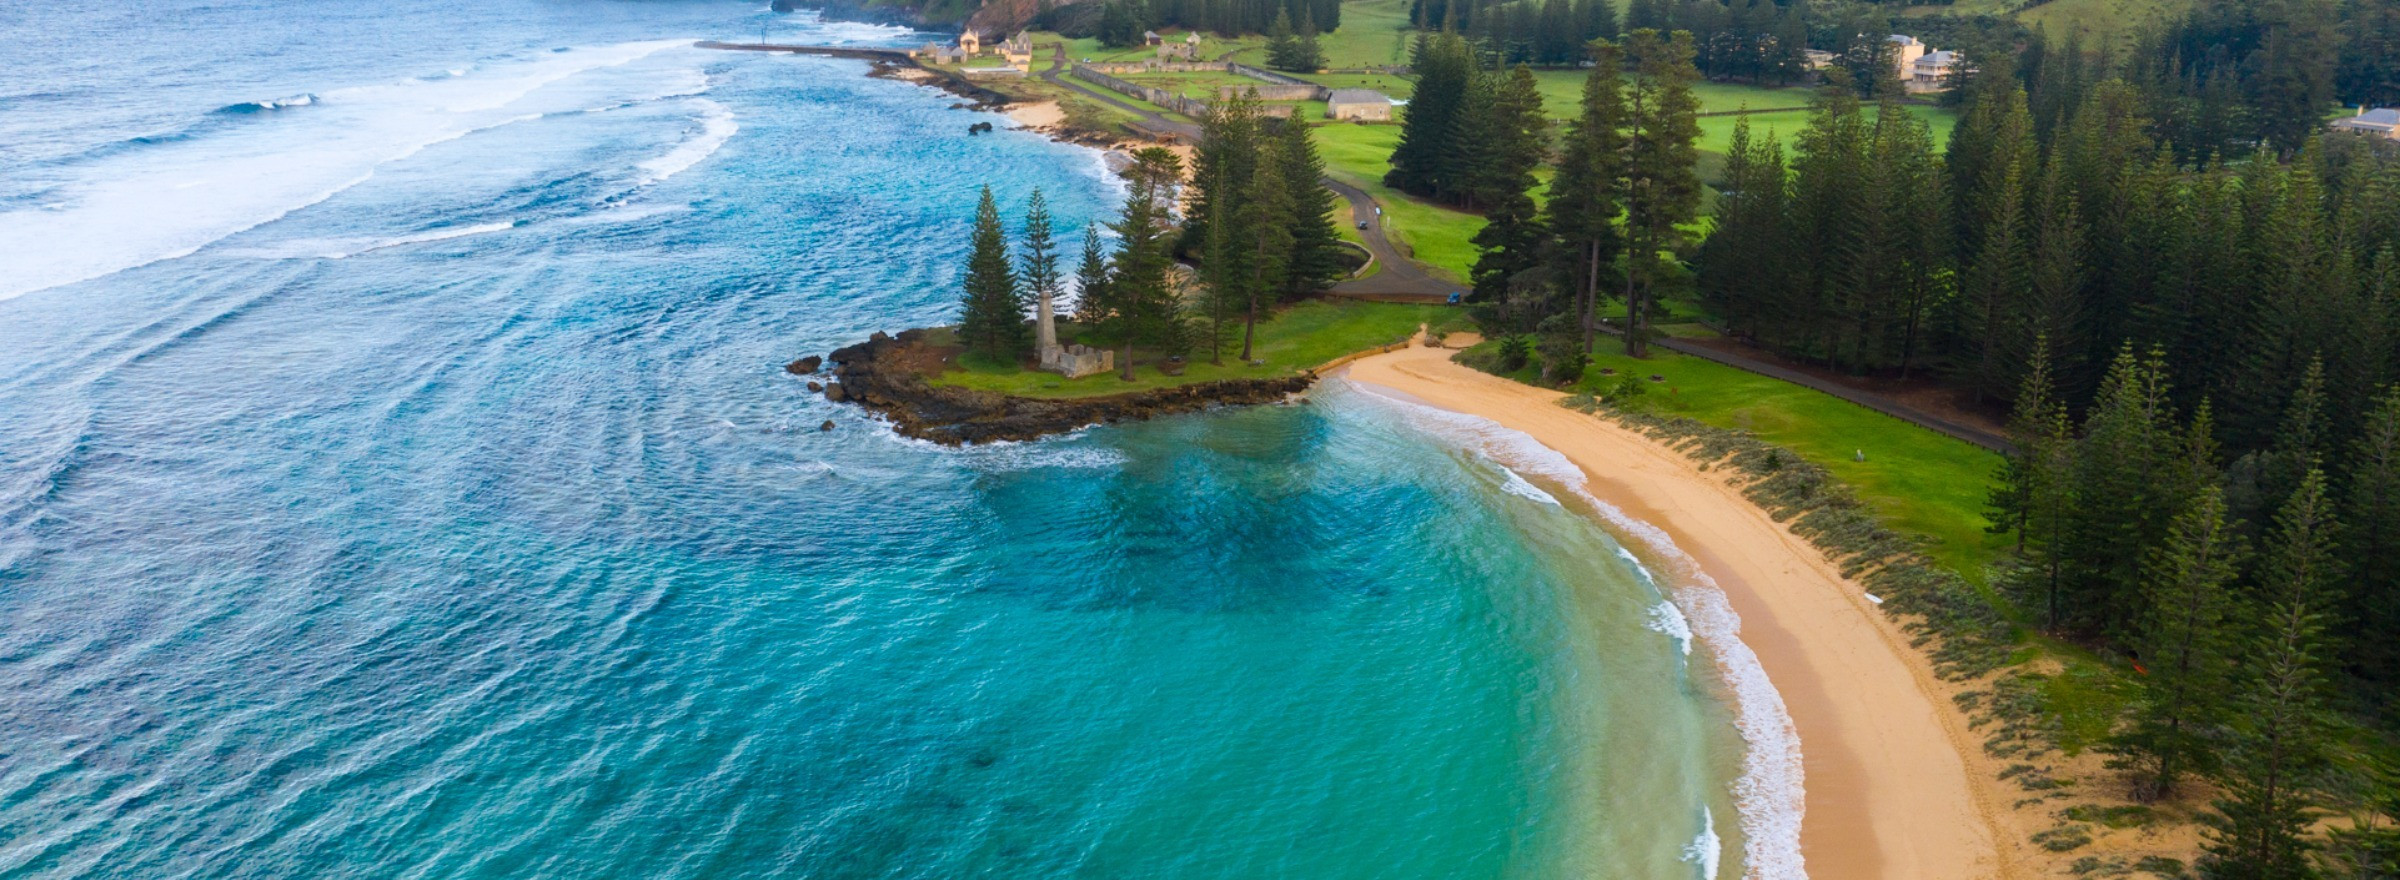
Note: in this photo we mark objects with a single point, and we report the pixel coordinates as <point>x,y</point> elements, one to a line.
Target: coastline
<point>1894,782</point>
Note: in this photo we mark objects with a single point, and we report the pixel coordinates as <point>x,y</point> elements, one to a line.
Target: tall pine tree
<point>2186,644</point>
<point>1662,185</point>
<point>1587,193</point>
<point>993,320</point>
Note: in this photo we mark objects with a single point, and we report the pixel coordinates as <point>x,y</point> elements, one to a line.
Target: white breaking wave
<point>717,126</point>
<point>171,200</point>
<point>1665,618</point>
<point>859,32</point>
<point>1770,792</point>
<point>345,248</point>
<point>1518,486</point>
<point>1706,848</point>
<point>444,234</point>
<point>1668,620</point>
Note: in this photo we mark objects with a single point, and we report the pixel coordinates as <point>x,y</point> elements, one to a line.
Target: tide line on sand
<point>1769,793</point>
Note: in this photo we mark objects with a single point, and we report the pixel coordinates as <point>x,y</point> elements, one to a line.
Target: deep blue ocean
<point>398,479</point>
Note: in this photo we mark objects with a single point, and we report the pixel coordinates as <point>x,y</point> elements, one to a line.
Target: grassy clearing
<point>1374,33</point>
<point>1920,482</point>
<point>1438,237</point>
<point>2108,18</point>
<point>1562,90</point>
<point>1391,86</point>
<point>1300,337</point>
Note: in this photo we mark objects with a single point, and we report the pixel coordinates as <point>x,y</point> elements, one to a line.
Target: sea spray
<point>1770,792</point>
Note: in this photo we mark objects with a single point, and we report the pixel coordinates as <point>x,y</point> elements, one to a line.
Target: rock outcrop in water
<point>881,375</point>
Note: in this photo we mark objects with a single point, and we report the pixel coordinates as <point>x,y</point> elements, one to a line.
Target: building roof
<point>1357,96</point>
<point>1904,39</point>
<point>2380,117</point>
<point>1942,57</point>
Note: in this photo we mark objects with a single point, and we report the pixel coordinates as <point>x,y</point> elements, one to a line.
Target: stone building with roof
<point>1358,105</point>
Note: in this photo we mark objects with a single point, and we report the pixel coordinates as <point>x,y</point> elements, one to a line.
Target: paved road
<point>1399,279</point>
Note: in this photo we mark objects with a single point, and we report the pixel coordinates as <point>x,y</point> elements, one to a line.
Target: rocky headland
<point>886,375</point>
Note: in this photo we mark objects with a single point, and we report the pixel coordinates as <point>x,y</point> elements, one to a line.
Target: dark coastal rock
<point>816,386</point>
<point>836,393</point>
<point>828,426</point>
<point>877,378</point>
<point>804,366</point>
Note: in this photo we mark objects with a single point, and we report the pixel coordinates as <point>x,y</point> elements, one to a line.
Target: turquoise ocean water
<point>397,479</point>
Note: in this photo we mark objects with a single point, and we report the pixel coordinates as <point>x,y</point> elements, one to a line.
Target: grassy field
<point>1203,85</point>
<point>1921,482</point>
<point>1298,338</point>
<point>1391,86</point>
<point>1374,33</point>
<point>1438,237</point>
<point>2058,18</point>
<point>1562,90</point>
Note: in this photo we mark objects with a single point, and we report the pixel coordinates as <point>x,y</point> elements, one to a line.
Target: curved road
<point>1400,279</point>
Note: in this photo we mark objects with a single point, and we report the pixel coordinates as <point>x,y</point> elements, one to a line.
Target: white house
<point>1905,52</point>
<point>1932,72</point>
<point>2383,122</point>
<point>1920,68</point>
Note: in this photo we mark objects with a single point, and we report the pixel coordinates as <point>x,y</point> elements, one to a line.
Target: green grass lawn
<point>1921,482</point>
<point>1300,337</point>
<point>1716,132</point>
<point>1202,85</point>
<point>1391,86</point>
<point>1374,33</point>
<point>1439,237</point>
<point>1562,91</point>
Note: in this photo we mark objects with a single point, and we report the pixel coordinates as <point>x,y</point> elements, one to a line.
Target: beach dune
<point>1895,782</point>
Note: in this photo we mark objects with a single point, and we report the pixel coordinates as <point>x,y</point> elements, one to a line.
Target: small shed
<point>1359,105</point>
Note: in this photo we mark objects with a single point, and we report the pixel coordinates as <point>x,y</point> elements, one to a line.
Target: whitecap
<point>1706,848</point>
<point>169,200</point>
<point>716,127</point>
<point>1517,485</point>
<point>1668,620</point>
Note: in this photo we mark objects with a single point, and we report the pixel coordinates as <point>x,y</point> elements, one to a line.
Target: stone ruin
<point>1078,360</point>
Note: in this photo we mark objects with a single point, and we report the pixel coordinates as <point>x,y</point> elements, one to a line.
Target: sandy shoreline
<point>1894,780</point>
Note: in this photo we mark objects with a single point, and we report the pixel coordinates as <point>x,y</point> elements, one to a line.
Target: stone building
<point>1359,105</point>
<point>1078,360</point>
<point>1186,49</point>
<point>1018,51</point>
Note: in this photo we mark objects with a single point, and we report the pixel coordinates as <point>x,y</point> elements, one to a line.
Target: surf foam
<point>1706,848</point>
<point>170,199</point>
<point>717,126</point>
<point>1770,791</point>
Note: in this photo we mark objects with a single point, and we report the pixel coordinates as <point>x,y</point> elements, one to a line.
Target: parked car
<point>1362,224</point>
